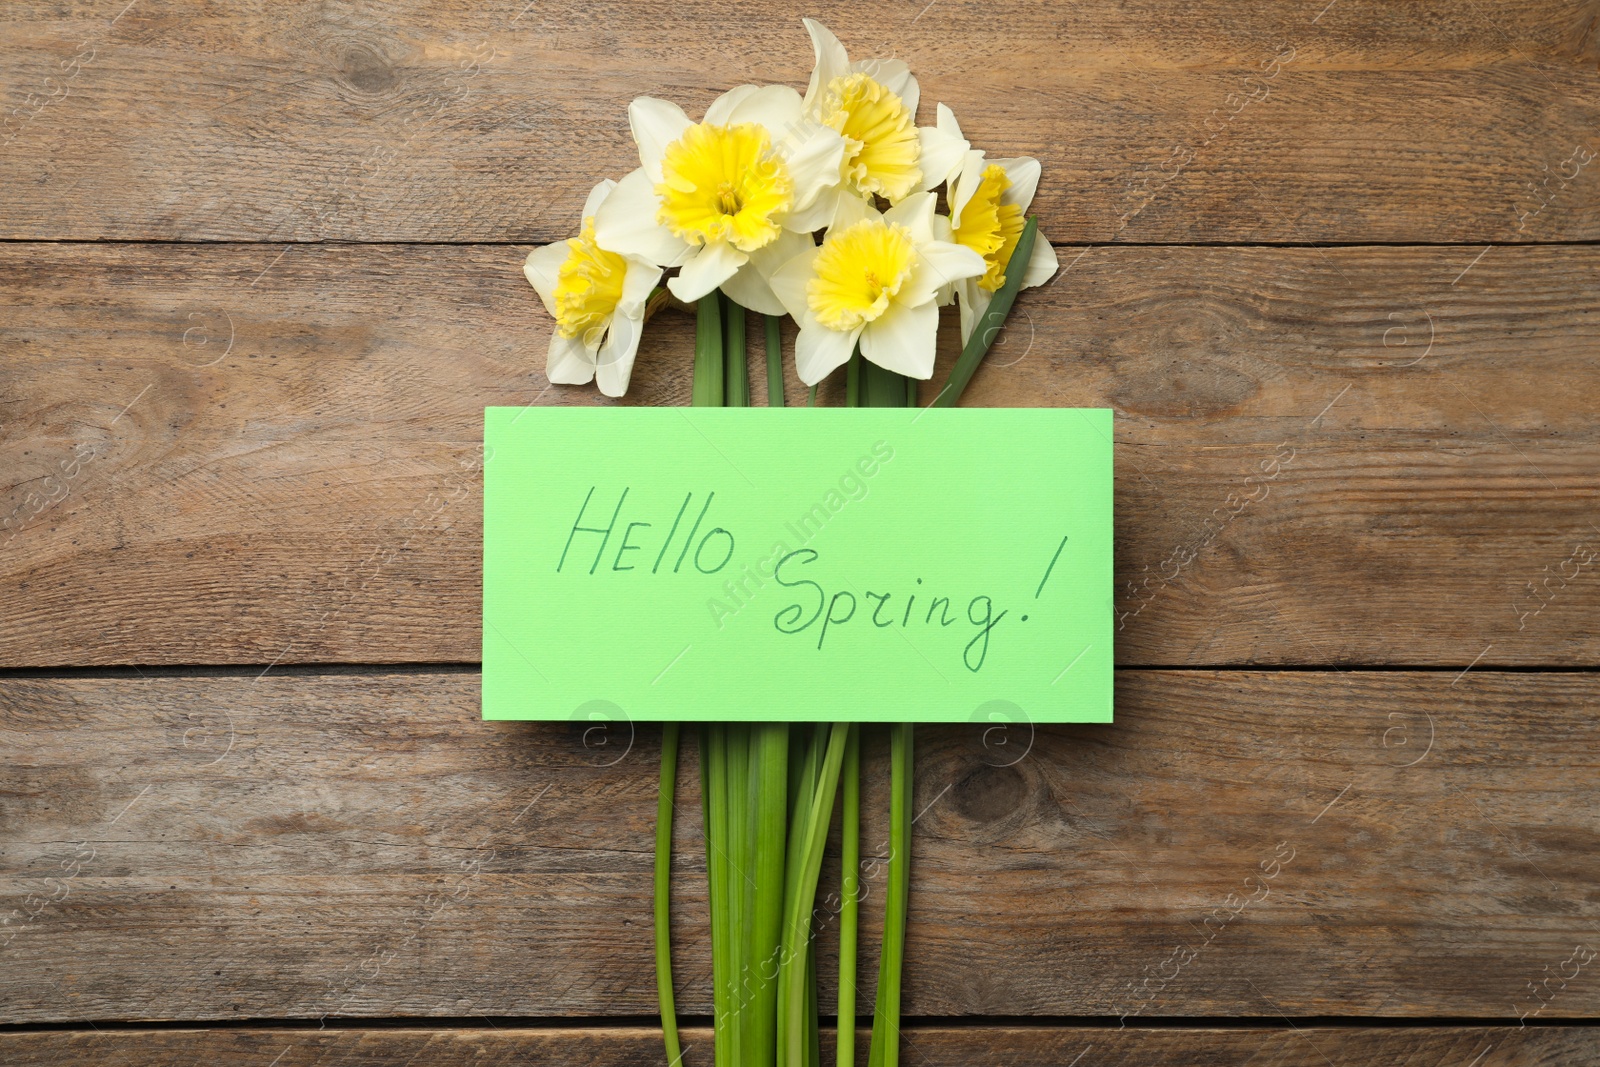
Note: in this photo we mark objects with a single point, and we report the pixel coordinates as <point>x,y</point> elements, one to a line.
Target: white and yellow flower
<point>726,199</point>
<point>597,298</point>
<point>874,280</point>
<point>873,104</point>
<point>989,202</point>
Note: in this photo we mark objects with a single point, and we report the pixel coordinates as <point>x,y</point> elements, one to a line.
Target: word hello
<point>711,552</point>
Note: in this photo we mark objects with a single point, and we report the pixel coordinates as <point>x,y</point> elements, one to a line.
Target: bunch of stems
<point>768,789</point>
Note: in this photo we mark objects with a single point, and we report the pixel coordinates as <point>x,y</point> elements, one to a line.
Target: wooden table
<point>261,276</point>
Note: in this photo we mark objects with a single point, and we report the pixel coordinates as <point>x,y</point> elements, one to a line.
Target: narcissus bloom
<point>989,202</point>
<point>873,104</point>
<point>597,298</point>
<point>726,199</point>
<point>875,279</point>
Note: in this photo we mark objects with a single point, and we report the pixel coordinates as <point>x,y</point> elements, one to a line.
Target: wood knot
<point>367,70</point>
<point>987,793</point>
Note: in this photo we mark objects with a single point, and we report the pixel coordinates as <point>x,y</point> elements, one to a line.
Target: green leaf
<point>989,323</point>
<point>805,865</point>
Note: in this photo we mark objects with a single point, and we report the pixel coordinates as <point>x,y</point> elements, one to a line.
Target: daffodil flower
<point>875,279</point>
<point>597,298</point>
<point>726,199</point>
<point>988,207</point>
<point>873,104</point>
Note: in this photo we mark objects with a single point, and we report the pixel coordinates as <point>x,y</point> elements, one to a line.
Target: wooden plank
<point>1245,844</point>
<point>454,120</point>
<point>252,455</point>
<point>639,1047</point>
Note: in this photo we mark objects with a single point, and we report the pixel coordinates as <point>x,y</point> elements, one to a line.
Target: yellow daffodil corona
<point>588,285</point>
<point>990,226</point>
<point>880,132</point>
<point>724,183</point>
<point>857,272</point>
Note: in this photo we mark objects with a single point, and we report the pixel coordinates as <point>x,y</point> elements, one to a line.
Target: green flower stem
<point>769,782</point>
<point>811,399</point>
<point>988,325</point>
<point>774,362</point>
<point>794,1034</point>
<point>813,1046</point>
<point>737,371</point>
<point>881,388</point>
<point>739,845</point>
<point>803,770</point>
<point>663,913</point>
<point>886,1013</point>
<point>850,894</point>
<point>852,380</point>
<point>714,754</point>
<point>708,368</point>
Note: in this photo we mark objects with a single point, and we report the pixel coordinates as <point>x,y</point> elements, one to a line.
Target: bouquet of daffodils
<point>837,210</point>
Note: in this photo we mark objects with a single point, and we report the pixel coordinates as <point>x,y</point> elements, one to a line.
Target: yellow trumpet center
<point>724,183</point>
<point>880,133</point>
<point>991,227</point>
<point>858,272</point>
<point>588,286</point>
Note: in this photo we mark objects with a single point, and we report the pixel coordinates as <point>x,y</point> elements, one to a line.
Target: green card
<point>746,564</point>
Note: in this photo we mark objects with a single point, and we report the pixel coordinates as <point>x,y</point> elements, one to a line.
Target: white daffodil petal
<point>789,282</point>
<point>942,156</point>
<point>819,214</point>
<point>597,196</point>
<point>626,224</point>
<point>717,114</point>
<point>614,362</point>
<point>945,120</point>
<point>939,263</point>
<point>637,285</point>
<point>819,351</point>
<point>832,61</point>
<point>974,300</point>
<point>850,209</point>
<point>815,156</point>
<point>541,269</point>
<point>966,184</point>
<point>713,265</point>
<point>895,76</point>
<point>655,124</point>
<point>568,362</point>
<point>750,286</point>
<point>1023,172</point>
<point>915,213</point>
<point>777,107</point>
<point>750,289</point>
<point>902,339</point>
<point>1042,264</point>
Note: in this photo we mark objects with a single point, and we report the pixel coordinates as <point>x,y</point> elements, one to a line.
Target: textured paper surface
<point>876,565</point>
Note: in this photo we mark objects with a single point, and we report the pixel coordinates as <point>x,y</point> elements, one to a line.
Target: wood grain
<point>1240,843</point>
<point>459,121</point>
<point>638,1047</point>
<point>257,455</point>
